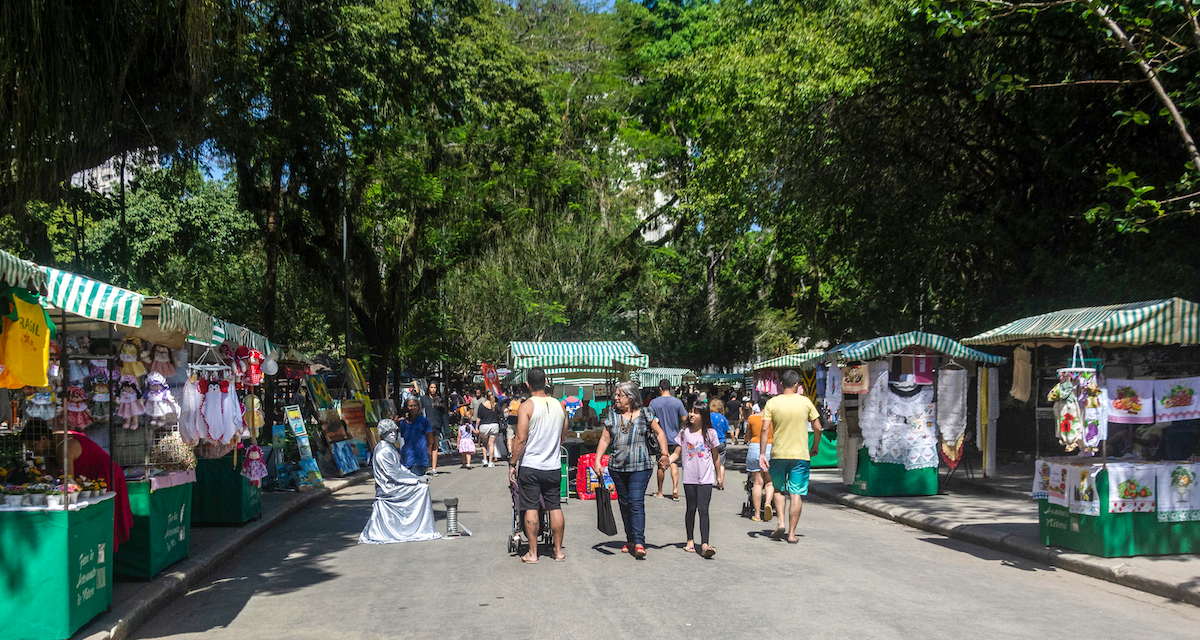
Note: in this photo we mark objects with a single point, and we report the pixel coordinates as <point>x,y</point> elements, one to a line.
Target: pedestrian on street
<point>785,420</point>
<point>733,415</point>
<point>434,405</point>
<point>466,444</point>
<point>630,464</point>
<point>535,467</point>
<point>702,470</point>
<point>720,424</point>
<point>513,406</point>
<point>487,425</point>
<point>670,413</point>
<point>759,478</point>
<point>418,437</point>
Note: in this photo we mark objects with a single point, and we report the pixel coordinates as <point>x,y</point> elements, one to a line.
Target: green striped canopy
<point>181,317</point>
<point>217,335</point>
<point>882,346</point>
<point>806,360</point>
<point>722,378</point>
<point>566,375</point>
<point>93,299</point>
<point>21,273</point>
<point>1167,322</point>
<point>651,377</point>
<point>609,355</point>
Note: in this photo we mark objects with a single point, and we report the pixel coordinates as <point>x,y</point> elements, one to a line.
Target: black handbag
<point>651,438</point>
<point>605,521</point>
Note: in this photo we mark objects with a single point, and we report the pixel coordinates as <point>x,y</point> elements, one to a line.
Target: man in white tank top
<point>541,425</point>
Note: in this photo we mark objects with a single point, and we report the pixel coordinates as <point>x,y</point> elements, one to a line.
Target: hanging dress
<point>191,423</point>
<point>214,397</point>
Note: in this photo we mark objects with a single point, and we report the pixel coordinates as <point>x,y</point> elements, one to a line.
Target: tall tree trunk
<point>270,287</point>
<point>711,263</point>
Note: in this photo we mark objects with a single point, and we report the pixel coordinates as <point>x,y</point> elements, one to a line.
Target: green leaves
<point>1135,116</point>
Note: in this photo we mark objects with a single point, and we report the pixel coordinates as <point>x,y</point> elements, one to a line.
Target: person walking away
<point>466,444</point>
<point>535,467</point>
<point>417,434</point>
<point>513,406</point>
<point>435,411</point>
<point>759,478</point>
<point>670,413</point>
<point>733,415</point>
<point>720,425</point>
<point>630,464</point>
<point>476,400</point>
<point>785,419</point>
<point>488,427</point>
<point>702,470</point>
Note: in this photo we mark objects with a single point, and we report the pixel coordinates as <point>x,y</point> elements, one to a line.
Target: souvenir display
<point>129,401</point>
<point>78,415</point>
<point>158,402</point>
<point>130,357</point>
<point>253,467</point>
<point>161,363</point>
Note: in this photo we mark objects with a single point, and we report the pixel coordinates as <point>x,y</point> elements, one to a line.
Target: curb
<point>975,486</point>
<point>123,619</point>
<point>1081,563</point>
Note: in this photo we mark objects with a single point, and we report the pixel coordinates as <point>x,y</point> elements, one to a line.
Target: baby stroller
<point>516,540</point>
<point>748,505</point>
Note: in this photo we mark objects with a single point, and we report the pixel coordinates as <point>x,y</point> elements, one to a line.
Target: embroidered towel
<point>1022,374</point>
<point>1056,488</point>
<point>1095,427</point>
<point>1130,401</point>
<point>1085,499</point>
<point>854,379</point>
<point>1178,500</point>
<point>1175,399</point>
<point>872,415</point>
<point>1041,480</point>
<point>952,412</point>
<point>1131,488</point>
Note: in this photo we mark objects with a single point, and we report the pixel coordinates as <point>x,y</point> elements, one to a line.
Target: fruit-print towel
<point>1178,499</point>
<point>1041,480</point>
<point>1176,399</point>
<point>1131,487</point>
<point>1130,401</point>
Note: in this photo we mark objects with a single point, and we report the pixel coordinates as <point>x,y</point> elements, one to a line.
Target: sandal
<point>625,548</point>
<point>779,534</point>
<point>675,497</point>
<point>755,519</point>
<point>691,548</point>
<point>639,552</point>
<point>708,552</point>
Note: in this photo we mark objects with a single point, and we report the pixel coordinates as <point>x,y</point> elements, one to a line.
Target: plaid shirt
<point>628,450</point>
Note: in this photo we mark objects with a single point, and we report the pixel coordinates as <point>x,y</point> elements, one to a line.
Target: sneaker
<point>768,513</point>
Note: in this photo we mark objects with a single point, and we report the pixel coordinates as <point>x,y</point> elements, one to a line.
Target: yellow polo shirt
<point>789,415</point>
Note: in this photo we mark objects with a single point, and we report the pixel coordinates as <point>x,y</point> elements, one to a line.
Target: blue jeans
<point>631,496</point>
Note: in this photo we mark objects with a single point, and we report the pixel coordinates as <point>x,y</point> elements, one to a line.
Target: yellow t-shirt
<point>26,336</point>
<point>789,415</point>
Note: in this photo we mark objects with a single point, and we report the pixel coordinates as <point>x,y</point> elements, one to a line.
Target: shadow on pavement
<point>983,553</point>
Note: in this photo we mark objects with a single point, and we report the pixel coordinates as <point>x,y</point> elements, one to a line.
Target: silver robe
<point>403,511</point>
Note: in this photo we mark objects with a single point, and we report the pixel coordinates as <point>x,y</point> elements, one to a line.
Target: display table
<point>222,495</point>
<point>883,479</point>
<point>1114,535</point>
<point>161,533</point>
<point>56,568</point>
<point>827,457</point>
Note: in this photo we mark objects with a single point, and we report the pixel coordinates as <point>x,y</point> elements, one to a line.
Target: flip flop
<point>522,559</point>
<point>675,497</point>
<point>796,541</point>
<point>625,548</point>
<point>639,552</point>
<point>690,549</point>
<point>755,519</point>
<point>562,559</point>
<point>709,552</point>
<point>778,534</point>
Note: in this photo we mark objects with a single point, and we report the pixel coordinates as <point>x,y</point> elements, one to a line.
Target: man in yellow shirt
<point>785,421</point>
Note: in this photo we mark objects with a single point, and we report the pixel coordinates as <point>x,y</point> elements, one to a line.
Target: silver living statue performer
<point>403,511</point>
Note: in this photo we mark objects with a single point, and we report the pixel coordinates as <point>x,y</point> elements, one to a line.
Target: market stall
<point>1125,419</point>
<point>812,370</point>
<point>911,409</point>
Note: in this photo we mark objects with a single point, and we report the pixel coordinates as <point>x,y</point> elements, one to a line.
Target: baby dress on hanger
<point>41,406</point>
<point>191,423</point>
<point>214,420</point>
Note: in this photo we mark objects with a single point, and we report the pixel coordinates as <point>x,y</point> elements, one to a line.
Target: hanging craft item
<point>254,372</point>
<point>129,402</point>
<point>161,362</point>
<point>130,357</point>
<point>24,341</point>
<point>855,379</point>
<point>253,467</point>
<point>253,415</point>
<point>77,370</point>
<point>1175,399</point>
<point>952,412</point>
<point>158,401</point>
<point>100,397</point>
<point>1130,401</point>
<point>1075,394</point>
<point>78,416</point>
<point>191,424</point>
<point>40,405</point>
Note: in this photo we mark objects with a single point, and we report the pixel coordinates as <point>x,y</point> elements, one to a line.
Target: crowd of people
<point>657,434</point>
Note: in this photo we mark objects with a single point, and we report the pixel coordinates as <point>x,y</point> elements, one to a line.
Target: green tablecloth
<point>161,533</point>
<point>222,495</point>
<point>882,479</point>
<point>56,570</point>
<point>826,457</point>
<point>1114,535</point>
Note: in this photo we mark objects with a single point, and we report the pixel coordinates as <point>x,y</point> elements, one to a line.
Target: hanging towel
<point>1041,480</point>
<point>822,372</point>
<point>833,390</point>
<point>1022,374</point>
<point>1056,488</point>
<point>1131,488</point>
<point>923,369</point>
<point>952,413</point>
<point>1095,427</point>
<point>1130,401</point>
<point>1085,499</point>
<point>872,414</point>
<point>1176,399</point>
<point>1178,500</point>
<point>854,379</point>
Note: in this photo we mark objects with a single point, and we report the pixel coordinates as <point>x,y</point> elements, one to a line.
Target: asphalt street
<point>851,575</point>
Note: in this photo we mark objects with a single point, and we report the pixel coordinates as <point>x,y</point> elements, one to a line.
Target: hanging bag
<point>605,521</point>
<point>652,445</point>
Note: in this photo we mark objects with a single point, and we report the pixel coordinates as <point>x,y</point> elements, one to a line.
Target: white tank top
<point>545,434</point>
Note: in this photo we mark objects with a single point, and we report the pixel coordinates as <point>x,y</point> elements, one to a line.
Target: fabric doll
<point>100,398</point>
<point>253,467</point>
<point>98,369</point>
<point>253,415</point>
<point>254,372</point>
<point>158,401</point>
<point>191,424</point>
<point>161,361</point>
<point>240,365</point>
<point>76,369</point>
<point>212,410</point>
<point>131,365</point>
<point>77,408</point>
<point>40,404</point>
<point>130,402</point>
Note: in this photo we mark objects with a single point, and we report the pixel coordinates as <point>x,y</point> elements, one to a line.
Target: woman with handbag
<point>637,440</point>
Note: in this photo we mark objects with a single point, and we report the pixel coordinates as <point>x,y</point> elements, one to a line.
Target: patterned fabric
<point>93,299</point>
<point>910,429</point>
<point>855,379</point>
<point>952,413</point>
<point>1056,486</point>
<point>879,347</point>
<point>21,273</point>
<point>1041,480</point>
<point>1178,500</point>
<point>806,360</point>
<point>628,451</point>
<point>1176,400</point>
<point>1085,499</point>
<point>527,355</point>
<point>182,317</point>
<point>1131,488</point>
<point>651,377</point>
<point>1130,401</point>
<point>1170,321</point>
<point>872,412</point>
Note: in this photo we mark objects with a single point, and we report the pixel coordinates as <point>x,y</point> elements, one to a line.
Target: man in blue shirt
<point>418,438</point>
<point>670,413</point>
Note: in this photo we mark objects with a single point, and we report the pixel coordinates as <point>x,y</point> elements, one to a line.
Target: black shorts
<point>538,488</point>
<point>670,450</point>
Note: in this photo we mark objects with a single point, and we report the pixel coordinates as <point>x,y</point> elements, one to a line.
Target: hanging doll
<point>212,410</point>
<point>253,467</point>
<point>191,424</point>
<point>100,396</point>
<point>78,415</point>
<point>252,417</point>
<point>131,365</point>
<point>160,362</point>
<point>130,401</point>
<point>158,401</point>
<point>99,369</point>
<point>77,370</point>
<point>39,404</point>
<point>232,411</point>
<point>254,372</point>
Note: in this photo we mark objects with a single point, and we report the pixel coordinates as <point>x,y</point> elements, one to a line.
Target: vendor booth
<point>1118,478</point>
<point>812,372</point>
<point>911,410</point>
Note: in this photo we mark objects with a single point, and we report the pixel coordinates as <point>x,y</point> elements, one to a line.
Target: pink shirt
<point>696,456</point>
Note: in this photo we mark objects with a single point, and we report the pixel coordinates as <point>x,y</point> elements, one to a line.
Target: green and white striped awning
<point>93,299</point>
<point>880,347</point>
<point>1166,322</point>
<point>722,378</point>
<point>651,377</point>
<point>566,375</point>
<point>610,355</point>
<point>21,273</point>
<point>181,317</point>
<point>217,334</point>
<point>806,360</point>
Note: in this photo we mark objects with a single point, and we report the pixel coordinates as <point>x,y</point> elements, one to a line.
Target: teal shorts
<point>790,476</point>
